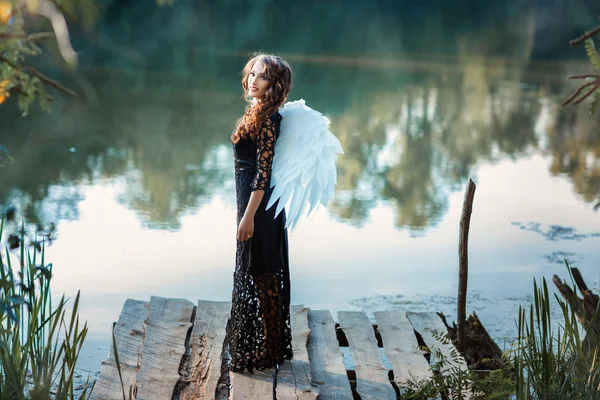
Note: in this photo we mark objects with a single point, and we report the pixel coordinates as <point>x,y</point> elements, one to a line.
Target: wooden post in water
<point>463,273</point>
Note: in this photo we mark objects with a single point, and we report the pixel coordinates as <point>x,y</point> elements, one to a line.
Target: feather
<point>285,197</point>
<point>275,195</point>
<point>301,207</point>
<point>304,171</point>
<point>315,196</point>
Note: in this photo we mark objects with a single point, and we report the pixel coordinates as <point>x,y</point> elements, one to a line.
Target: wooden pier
<point>173,349</point>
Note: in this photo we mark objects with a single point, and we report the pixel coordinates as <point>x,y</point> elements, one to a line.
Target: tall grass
<point>39,341</point>
<point>549,359</point>
<point>555,361</point>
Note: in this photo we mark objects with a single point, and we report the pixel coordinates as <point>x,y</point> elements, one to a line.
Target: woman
<point>259,326</point>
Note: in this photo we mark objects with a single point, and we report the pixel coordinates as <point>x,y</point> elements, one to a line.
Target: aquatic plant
<point>548,360</point>
<point>40,340</point>
<point>556,361</point>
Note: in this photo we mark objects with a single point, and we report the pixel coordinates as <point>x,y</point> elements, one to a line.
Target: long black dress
<point>259,326</point>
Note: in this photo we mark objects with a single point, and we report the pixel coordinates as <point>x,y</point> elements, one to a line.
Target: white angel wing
<point>304,165</point>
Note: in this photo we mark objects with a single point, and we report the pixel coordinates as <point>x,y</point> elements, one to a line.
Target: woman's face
<point>257,81</point>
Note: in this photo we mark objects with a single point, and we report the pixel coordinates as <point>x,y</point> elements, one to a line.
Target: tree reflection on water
<point>413,127</point>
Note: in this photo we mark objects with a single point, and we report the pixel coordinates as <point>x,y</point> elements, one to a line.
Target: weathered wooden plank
<point>259,385</point>
<point>129,336</point>
<point>428,324</point>
<point>402,348</point>
<point>206,342</point>
<point>294,378</point>
<point>166,330</point>
<point>372,381</point>
<point>326,361</point>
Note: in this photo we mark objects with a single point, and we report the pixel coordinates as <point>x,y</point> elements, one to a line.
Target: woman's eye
<point>263,77</point>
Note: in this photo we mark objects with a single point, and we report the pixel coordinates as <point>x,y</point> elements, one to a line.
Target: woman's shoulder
<point>276,117</point>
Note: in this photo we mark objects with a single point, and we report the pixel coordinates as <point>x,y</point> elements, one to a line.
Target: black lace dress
<point>259,326</point>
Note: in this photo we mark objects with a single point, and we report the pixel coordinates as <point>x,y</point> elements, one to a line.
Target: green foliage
<point>13,52</point>
<point>447,377</point>
<point>595,102</point>
<point>555,364</point>
<point>591,85</point>
<point>590,49</point>
<point>592,53</point>
<point>118,364</point>
<point>451,385</point>
<point>497,385</point>
<point>543,363</point>
<point>39,340</point>
<point>19,47</point>
<point>457,384</point>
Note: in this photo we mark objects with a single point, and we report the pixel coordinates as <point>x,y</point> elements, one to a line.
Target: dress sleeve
<point>265,149</point>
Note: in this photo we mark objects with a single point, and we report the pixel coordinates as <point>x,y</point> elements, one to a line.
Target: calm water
<point>137,173</point>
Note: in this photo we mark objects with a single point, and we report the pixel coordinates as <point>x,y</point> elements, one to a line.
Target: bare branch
<point>36,73</point>
<point>51,11</point>
<point>597,76</point>
<point>22,92</point>
<point>585,36</point>
<point>30,37</point>
<point>41,36</point>
<point>578,91</point>
<point>587,94</point>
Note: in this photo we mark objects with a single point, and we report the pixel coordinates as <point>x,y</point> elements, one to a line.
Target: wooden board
<point>294,378</point>
<point>326,362</point>
<point>129,335</point>
<point>428,324</point>
<point>402,348</point>
<point>259,385</point>
<point>208,336</point>
<point>372,381</point>
<point>166,330</point>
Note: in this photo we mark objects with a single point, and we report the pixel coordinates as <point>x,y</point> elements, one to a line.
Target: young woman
<point>259,325</point>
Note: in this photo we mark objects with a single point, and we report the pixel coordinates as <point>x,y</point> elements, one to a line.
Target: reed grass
<point>40,341</point>
<point>550,359</point>
<point>555,361</point>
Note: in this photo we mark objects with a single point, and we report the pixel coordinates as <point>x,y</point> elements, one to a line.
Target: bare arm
<point>255,199</point>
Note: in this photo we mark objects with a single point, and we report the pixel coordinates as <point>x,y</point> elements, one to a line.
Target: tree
<point>591,87</point>
<point>23,37</point>
<point>592,81</point>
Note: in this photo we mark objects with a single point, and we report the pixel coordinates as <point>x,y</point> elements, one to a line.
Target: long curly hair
<point>279,75</point>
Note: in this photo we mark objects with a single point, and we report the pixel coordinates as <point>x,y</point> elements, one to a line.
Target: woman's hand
<point>246,229</point>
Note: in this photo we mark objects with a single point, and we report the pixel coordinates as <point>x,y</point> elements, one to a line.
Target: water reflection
<point>414,127</point>
<point>410,146</point>
<point>573,142</point>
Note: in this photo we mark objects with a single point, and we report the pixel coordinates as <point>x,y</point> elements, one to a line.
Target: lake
<point>137,171</point>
